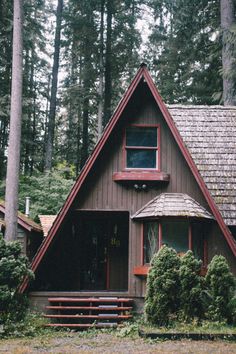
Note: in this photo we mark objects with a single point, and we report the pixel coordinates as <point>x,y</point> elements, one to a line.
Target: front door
<point>103,251</point>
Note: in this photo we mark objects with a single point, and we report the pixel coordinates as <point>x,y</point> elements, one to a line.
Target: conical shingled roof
<point>172,204</point>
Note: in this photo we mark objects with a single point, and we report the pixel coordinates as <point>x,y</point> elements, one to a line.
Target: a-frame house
<point>151,179</point>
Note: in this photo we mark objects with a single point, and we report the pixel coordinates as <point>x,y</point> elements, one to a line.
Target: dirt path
<point>109,343</point>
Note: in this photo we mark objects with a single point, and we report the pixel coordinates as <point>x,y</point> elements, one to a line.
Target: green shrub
<point>13,268</point>
<point>221,287</point>
<point>191,287</point>
<point>162,298</point>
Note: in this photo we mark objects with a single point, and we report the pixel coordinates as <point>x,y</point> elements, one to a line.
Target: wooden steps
<point>84,325</point>
<point>104,316</point>
<point>82,313</point>
<point>100,308</point>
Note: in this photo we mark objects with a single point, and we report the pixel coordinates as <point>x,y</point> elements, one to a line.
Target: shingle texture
<point>31,223</point>
<point>209,132</point>
<point>172,204</point>
<point>46,221</point>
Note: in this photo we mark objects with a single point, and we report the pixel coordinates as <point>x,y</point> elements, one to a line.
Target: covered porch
<point>90,254</point>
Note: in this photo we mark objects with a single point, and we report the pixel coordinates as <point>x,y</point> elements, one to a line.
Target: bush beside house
<point>221,288</point>
<point>191,288</point>
<point>176,291</point>
<point>13,268</point>
<point>162,299</point>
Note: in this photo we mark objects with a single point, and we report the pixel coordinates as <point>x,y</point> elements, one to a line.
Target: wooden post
<point>190,237</point>
<point>160,234</point>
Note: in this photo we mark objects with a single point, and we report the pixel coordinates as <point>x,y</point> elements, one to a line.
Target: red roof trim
<point>142,72</point>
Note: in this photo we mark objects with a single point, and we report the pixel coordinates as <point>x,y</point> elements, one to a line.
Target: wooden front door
<point>103,251</point>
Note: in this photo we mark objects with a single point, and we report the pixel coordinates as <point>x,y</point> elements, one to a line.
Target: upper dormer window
<point>141,146</point>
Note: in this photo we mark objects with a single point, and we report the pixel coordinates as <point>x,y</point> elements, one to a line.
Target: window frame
<point>156,148</point>
<point>159,243</point>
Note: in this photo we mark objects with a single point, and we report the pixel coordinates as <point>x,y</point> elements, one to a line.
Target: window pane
<point>198,237</point>
<point>141,136</point>
<point>150,244</point>
<point>141,158</point>
<point>175,234</point>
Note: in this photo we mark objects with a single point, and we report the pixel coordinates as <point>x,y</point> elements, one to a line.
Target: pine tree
<point>184,50</point>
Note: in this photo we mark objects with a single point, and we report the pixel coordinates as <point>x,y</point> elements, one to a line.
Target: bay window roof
<point>172,204</point>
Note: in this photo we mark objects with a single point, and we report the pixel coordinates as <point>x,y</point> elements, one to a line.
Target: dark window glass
<point>150,244</point>
<point>198,240</point>
<point>175,234</point>
<point>138,158</point>
<point>141,136</point>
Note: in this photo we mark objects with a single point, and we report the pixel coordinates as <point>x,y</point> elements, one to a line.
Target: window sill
<point>143,270</point>
<point>145,176</point>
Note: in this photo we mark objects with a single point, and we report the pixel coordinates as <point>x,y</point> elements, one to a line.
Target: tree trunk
<point>100,88</point>
<point>227,12</point>
<point>84,148</point>
<point>108,86</point>
<point>71,133</point>
<point>5,82</point>
<point>52,109</point>
<point>13,163</point>
<point>85,107</point>
<point>33,136</point>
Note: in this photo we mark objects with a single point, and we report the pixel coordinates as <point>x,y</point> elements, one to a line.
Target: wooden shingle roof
<point>209,132</point>
<point>47,221</point>
<point>23,220</point>
<point>172,204</point>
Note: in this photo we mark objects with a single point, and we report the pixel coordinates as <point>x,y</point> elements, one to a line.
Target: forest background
<point>94,47</point>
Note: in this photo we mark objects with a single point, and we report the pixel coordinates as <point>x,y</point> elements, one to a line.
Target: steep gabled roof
<point>142,74</point>
<point>172,204</point>
<point>209,133</point>
<point>23,220</point>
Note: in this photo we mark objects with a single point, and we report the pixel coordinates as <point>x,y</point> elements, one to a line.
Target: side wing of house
<point>29,233</point>
<point>96,242</point>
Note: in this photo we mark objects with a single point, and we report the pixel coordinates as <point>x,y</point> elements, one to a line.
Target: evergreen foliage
<point>221,287</point>
<point>175,289</point>
<point>182,48</point>
<point>162,298</point>
<point>13,268</point>
<point>47,191</point>
<point>191,287</point>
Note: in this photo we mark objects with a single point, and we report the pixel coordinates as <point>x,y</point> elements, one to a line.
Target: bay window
<point>180,235</point>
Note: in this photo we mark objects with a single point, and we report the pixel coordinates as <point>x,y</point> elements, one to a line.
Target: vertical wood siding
<point>100,192</point>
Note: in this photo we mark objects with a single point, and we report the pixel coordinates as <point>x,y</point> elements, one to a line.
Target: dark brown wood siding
<point>100,192</point>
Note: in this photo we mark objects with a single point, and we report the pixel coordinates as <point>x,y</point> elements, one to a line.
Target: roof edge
<point>191,106</point>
